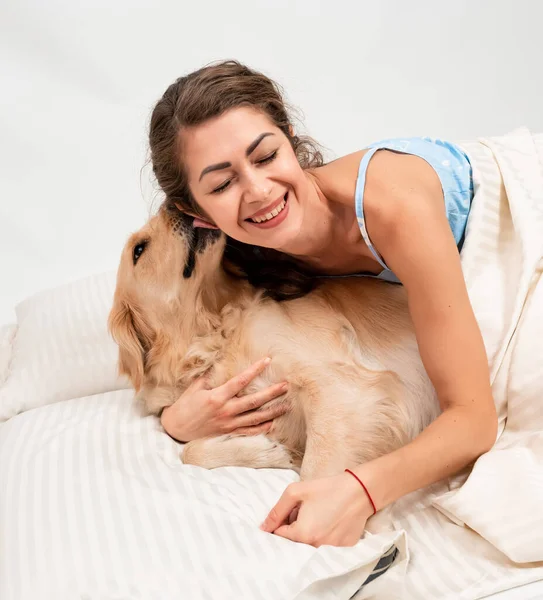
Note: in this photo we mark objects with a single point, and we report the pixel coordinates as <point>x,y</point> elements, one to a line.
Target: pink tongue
<point>204,224</point>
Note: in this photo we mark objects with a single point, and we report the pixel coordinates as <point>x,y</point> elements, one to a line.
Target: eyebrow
<point>224,165</point>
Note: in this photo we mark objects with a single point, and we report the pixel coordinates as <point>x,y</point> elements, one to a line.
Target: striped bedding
<point>98,506</point>
<point>95,504</point>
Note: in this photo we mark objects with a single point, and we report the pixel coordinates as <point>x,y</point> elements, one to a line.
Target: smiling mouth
<point>272,214</point>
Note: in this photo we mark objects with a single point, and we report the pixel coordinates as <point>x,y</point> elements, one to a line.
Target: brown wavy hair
<point>192,100</point>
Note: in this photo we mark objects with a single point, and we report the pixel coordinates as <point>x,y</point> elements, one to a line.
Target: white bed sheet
<point>95,504</point>
<point>531,591</point>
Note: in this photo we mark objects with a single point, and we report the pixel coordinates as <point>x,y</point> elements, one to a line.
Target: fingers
<point>236,384</point>
<point>298,532</point>
<point>288,531</point>
<point>258,399</point>
<point>300,529</point>
<point>257,417</point>
<point>293,515</point>
<point>198,385</point>
<point>263,428</point>
<point>304,533</point>
<point>279,514</point>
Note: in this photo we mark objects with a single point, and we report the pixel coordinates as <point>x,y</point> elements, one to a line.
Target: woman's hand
<point>331,510</point>
<point>201,411</point>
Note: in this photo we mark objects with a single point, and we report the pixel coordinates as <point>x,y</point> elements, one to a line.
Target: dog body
<point>357,386</point>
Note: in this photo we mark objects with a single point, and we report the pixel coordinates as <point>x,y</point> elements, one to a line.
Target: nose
<point>257,188</point>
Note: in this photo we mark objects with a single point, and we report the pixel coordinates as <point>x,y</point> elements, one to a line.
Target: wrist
<point>359,503</point>
<point>363,487</point>
<point>168,422</point>
<point>378,475</point>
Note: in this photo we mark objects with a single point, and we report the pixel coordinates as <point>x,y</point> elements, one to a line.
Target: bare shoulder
<point>391,178</point>
<point>337,179</point>
<point>406,219</point>
<point>398,184</point>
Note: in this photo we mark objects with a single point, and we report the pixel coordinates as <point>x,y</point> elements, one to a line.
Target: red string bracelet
<point>365,489</point>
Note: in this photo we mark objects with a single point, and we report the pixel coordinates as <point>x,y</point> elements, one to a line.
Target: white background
<point>79,80</point>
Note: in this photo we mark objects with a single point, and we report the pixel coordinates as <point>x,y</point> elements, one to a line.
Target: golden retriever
<point>357,386</point>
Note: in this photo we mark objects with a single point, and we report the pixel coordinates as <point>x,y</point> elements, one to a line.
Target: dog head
<point>165,270</point>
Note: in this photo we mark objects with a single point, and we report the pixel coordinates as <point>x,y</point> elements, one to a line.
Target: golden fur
<point>357,387</point>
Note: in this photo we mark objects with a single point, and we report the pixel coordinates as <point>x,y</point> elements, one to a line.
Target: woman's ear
<point>181,209</point>
<point>198,222</point>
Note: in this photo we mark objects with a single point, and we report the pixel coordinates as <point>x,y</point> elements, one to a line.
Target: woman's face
<point>243,173</point>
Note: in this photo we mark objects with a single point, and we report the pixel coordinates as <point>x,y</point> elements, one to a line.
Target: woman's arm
<point>406,221</point>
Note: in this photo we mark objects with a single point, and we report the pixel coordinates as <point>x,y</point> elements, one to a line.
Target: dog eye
<point>138,251</point>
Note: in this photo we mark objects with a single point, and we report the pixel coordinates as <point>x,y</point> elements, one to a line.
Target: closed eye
<point>138,251</point>
<point>268,159</point>
<point>263,161</point>
<point>221,188</point>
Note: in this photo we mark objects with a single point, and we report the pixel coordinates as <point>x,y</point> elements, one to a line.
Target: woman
<point>224,150</point>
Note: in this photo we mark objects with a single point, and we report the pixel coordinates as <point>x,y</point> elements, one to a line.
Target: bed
<point>96,503</point>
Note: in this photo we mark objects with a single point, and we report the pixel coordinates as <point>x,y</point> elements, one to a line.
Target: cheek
<point>223,210</point>
<point>292,173</point>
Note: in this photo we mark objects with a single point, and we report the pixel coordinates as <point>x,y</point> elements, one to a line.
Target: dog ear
<point>134,337</point>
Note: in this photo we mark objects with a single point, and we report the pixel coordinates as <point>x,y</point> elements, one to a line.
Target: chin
<point>289,239</point>
<point>283,241</point>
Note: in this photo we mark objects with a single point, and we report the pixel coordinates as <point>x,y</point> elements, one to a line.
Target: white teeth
<point>271,214</point>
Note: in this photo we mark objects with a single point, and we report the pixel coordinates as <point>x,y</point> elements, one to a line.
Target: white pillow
<point>62,348</point>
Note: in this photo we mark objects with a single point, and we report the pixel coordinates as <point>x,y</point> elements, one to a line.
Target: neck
<point>333,233</point>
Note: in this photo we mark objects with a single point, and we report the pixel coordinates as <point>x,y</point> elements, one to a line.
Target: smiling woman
<point>248,192</point>
<point>201,159</point>
<point>224,151</point>
<point>245,195</point>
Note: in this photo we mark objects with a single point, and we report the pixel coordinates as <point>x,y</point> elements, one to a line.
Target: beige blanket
<point>483,533</point>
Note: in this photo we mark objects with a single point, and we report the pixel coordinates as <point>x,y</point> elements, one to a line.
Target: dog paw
<point>277,456</point>
<point>257,452</point>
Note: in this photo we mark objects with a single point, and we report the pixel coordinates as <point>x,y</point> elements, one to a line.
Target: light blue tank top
<point>454,171</point>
